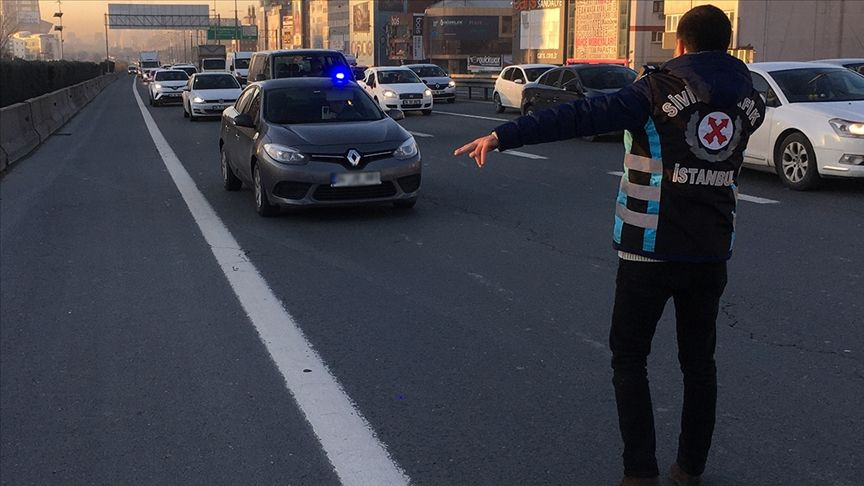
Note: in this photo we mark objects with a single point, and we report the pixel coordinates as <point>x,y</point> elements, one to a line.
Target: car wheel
<point>192,117</point>
<point>262,203</point>
<point>796,163</point>
<point>499,108</point>
<point>405,203</point>
<point>427,112</point>
<point>230,181</point>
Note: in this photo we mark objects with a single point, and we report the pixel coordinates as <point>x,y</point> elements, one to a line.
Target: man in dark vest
<point>687,125</point>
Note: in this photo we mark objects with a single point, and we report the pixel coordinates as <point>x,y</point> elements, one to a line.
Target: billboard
<point>149,16</point>
<point>478,64</point>
<point>464,27</point>
<point>361,26</point>
<point>598,30</point>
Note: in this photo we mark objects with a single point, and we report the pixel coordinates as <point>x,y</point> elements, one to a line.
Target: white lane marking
<point>743,197</point>
<point>526,155</point>
<point>421,135</point>
<point>471,116</point>
<point>349,442</point>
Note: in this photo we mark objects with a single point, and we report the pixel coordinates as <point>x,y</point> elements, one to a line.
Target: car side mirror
<point>396,114</point>
<point>519,81</point>
<point>244,120</point>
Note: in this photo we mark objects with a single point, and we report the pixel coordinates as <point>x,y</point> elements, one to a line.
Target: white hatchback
<point>814,122</point>
<point>208,94</point>
<point>397,88</point>
<point>511,83</point>
<point>167,86</point>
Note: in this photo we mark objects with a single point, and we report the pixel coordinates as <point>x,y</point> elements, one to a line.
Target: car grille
<point>411,96</point>
<point>410,183</point>
<point>291,190</point>
<point>220,101</point>
<point>327,193</point>
<point>342,159</point>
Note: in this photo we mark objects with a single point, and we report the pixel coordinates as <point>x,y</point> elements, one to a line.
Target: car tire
<point>192,117</point>
<point>499,108</point>
<point>405,203</point>
<point>795,163</point>
<point>427,112</point>
<point>262,203</point>
<point>230,181</point>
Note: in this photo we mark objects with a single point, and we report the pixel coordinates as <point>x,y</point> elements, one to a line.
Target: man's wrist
<point>494,135</point>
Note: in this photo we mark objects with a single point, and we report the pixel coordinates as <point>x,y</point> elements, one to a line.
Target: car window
<point>518,74</point>
<point>254,107</point>
<point>308,65</point>
<point>243,100</point>
<point>607,77</point>
<point>401,76</point>
<point>189,70</point>
<point>320,105</point>
<point>550,78</point>
<point>171,76</point>
<point>808,85</point>
<point>566,76</point>
<point>761,85</point>
<point>216,82</point>
<point>534,73</point>
<point>213,64</point>
<point>507,75</point>
<point>241,63</point>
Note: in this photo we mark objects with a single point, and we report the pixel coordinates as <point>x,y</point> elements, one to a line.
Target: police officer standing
<point>687,125</point>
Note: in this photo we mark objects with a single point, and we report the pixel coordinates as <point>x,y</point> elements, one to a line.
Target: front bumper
<point>406,105</point>
<point>164,96</point>
<point>209,109</point>
<point>830,156</point>
<point>309,185</point>
<point>443,94</point>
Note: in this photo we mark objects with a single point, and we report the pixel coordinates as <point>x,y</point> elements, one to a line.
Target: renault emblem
<point>354,157</point>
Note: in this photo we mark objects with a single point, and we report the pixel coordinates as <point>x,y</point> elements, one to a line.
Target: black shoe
<point>628,481</point>
<point>681,478</point>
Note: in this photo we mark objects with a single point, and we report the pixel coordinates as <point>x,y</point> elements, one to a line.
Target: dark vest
<point>678,195</point>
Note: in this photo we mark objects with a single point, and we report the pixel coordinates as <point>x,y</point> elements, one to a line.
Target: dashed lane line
<point>526,155</point>
<point>743,197</point>
<point>358,458</point>
<point>471,116</point>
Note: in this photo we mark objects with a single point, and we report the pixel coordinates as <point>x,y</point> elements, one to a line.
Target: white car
<point>208,94</point>
<point>398,88</point>
<point>238,65</point>
<point>854,63</point>
<point>814,122</point>
<point>511,83</point>
<point>167,86</point>
<point>442,86</point>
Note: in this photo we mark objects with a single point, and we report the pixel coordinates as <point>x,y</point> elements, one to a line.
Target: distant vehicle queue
<point>815,109</point>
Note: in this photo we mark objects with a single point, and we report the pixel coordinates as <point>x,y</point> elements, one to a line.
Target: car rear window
<point>534,73</point>
<point>171,76</point>
<point>310,65</point>
<point>400,76</point>
<point>213,64</point>
<point>320,105</point>
<point>241,63</point>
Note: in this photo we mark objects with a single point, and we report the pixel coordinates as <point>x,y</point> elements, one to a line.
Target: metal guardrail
<point>473,86</point>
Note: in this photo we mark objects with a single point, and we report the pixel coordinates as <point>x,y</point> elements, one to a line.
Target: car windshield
<point>190,70</point>
<point>429,71</point>
<point>858,67</point>
<point>171,76</point>
<point>534,73</point>
<point>397,76</point>
<point>320,105</point>
<point>606,77</point>
<point>308,65</point>
<point>213,64</point>
<point>820,84</point>
<point>241,63</point>
<point>222,81</point>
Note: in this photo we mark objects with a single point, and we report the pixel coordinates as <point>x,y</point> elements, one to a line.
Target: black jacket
<point>687,125</point>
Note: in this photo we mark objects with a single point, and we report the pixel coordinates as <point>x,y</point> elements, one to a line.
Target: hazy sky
<point>84,17</point>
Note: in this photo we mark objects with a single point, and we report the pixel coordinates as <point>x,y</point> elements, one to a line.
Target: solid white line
<point>524,154</point>
<point>349,442</point>
<point>421,135</point>
<point>471,116</point>
<point>743,197</point>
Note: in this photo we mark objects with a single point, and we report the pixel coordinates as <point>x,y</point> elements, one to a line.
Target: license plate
<point>350,179</point>
<point>172,95</point>
<point>439,92</point>
<point>218,107</point>
<point>411,103</point>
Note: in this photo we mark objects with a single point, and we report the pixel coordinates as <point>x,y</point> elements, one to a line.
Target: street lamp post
<point>59,28</point>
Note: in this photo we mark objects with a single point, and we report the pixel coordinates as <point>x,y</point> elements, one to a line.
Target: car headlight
<point>846,128</point>
<point>157,86</point>
<point>427,93</point>
<point>407,150</point>
<point>389,94</point>
<point>197,99</point>
<point>452,84</point>
<point>286,155</point>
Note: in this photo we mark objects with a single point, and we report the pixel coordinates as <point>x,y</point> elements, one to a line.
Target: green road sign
<point>246,32</point>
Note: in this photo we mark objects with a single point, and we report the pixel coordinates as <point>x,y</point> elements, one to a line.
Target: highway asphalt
<point>469,332</point>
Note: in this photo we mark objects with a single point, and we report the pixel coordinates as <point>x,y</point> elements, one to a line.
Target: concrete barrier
<point>79,95</point>
<point>18,136</point>
<point>50,112</point>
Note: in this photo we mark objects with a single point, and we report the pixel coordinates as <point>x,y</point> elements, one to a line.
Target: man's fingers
<point>466,149</point>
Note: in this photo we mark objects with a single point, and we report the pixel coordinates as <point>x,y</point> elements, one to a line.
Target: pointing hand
<point>478,148</point>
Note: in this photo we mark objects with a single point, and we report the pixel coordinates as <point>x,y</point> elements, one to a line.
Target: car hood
<point>217,94</point>
<point>172,84</point>
<point>400,88</point>
<point>348,134</point>
<point>849,110</point>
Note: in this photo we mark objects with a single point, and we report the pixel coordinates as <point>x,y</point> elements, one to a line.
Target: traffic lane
<point>124,353</point>
<point>361,280</point>
<point>350,276</point>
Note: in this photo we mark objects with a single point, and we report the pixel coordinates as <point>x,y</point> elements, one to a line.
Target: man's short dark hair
<point>705,28</point>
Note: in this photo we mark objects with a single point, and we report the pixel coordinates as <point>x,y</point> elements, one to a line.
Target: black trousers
<point>642,290</point>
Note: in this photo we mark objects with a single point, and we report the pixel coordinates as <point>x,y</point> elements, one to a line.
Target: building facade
<point>470,36</point>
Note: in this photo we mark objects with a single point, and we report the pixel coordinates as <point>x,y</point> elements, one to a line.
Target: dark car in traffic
<point>316,142</point>
<point>570,83</point>
<point>298,63</point>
